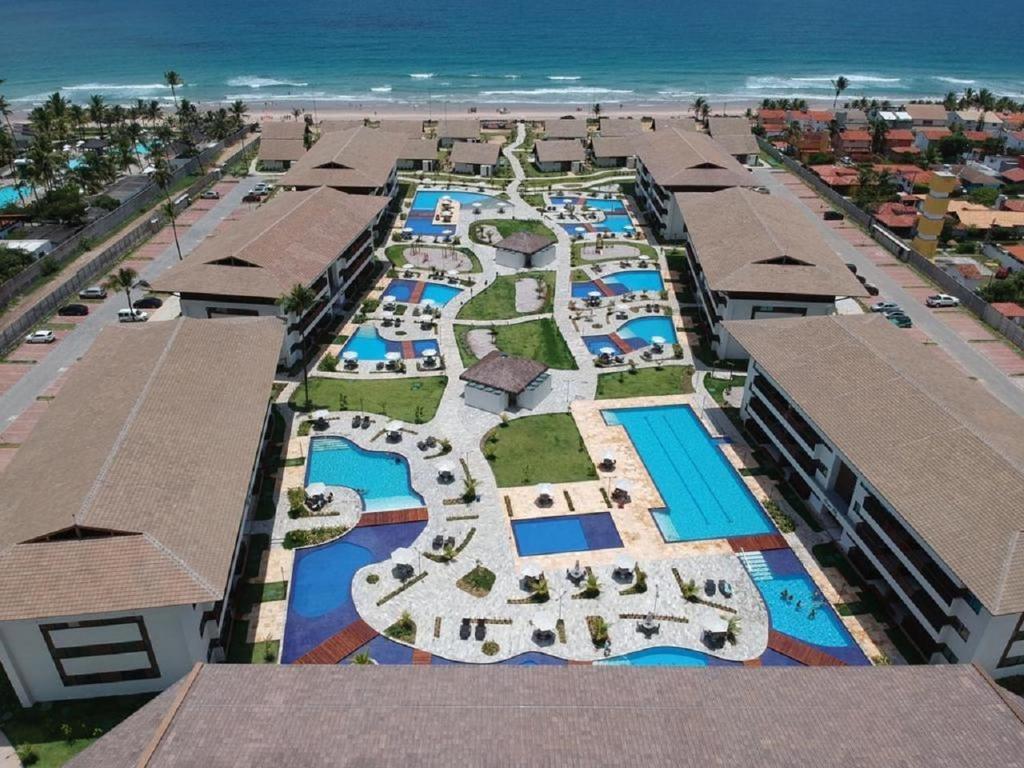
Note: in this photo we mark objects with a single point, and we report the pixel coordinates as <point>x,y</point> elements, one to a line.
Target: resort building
<point>733,134</point>
<point>523,250</point>
<point>614,152</point>
<point>976,120</point>
<point>281,144</point>
<point>673,161</point>
<point>418,155</point>
<point>267,714</point>
<point>322,239</point>
<point>121,514</point>
<point>755,256</point>
<point>927,115</point>
<point>621,126</point>
<point>852,118</point>
<point>915,469</point>
<point>565,128</point>
<point>552,155</point>
<point>450,131</point>
<point>475,158</point>
<point>500,382</point>
<point>679,124</point>
<point>360,161</point>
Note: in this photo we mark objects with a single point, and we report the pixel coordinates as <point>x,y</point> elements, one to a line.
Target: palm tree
<point>597,110</point>
<point>362,659</point>
<point>171,214</point>
<point>705,110</point>
<point>173,79</point>
<point>298,301</point>
<point>469,489</point>
<point>733,629</point>
<point>97,111</point>
<point>840,84</point>
<point>793,134</point>
<point>162,175</point>
<point>879,129</point>
<point>122,280</point>
<point>5,112</point>
<point>949,101</point>
<point>698,106</point>
<point>238,112</point>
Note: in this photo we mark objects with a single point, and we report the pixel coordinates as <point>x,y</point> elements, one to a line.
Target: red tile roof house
<point>854,144</point>
<point>811,120</point>
<point>841,178</point>
<point>1014,312</point>
<point>923,137</point>
<point>1015,140</point>
<point>898,218</point>
<point>1014,176</point>
<point>773,121</point>
<point>812,143</point>
<point>898,137</point>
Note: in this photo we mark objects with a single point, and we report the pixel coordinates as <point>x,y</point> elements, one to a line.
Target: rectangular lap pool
<point>567,533</point>
<point>705,498</point>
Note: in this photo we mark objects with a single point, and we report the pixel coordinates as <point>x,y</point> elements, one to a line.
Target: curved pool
<point>381,478</point>
<point>634,334</point>
<point>316,577</point>
<point>666,656</point>
<point>618,283</point>
<point>370,345</point>
<point>421,216</point>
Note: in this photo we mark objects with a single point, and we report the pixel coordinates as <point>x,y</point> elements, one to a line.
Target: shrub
<point>28,755</point>
<point>294,539</point>
<point>372,578</point>
<point>106,202</point>
<point>48,267</point>
<point>592,588</point>
<point>490,648</point>
<point>370,305</point>
<point>328,363</point>
<point>296,501</point>
<point>598,630</point>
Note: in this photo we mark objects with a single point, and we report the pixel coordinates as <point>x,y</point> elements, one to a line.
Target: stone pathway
<point>528,295</point>
<point>481,342</point>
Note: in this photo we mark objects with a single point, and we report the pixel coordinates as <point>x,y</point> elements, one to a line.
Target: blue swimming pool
<point>705,498</point>
<point>316,577</point>
<point>371,346</point>
<point>424,203</point>
<point>627,281</point>
<point>635,334</point>
<point>667,656</point>
<point>616,218</point>
<point>381,478</point>
<point>14,194</point>
<point>405,291</point>
<point>566,533</point>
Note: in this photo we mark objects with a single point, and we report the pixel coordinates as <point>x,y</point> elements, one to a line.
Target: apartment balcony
<point>796,453</point>
<point>788,413</point>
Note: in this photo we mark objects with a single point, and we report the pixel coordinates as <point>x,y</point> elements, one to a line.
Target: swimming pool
<point>380,478</point>
<point>704,496</point>
<point>627,281</point>
<point>566,533</point>
<point>419,291</point>
<point>370,345</point>
<point>421,216</point>
<point>666,656</point>
<point>316,578</point>
<point>633,335</point>
<point>616,218</point>
<point>10,195</point>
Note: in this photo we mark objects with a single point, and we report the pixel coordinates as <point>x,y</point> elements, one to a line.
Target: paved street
<point>945,328</point>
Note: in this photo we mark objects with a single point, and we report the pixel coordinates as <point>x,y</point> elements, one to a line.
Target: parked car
<point>884,306</point>
<point>148,302</point>
<point>942,300</point>
<point>73,310</point>
<point>210,194</point>
<point>832,216</point>
<point>892,312</point>
<point>132,316</point>
<point>871,288</point>
<point>901,321</point>
<point>40,337</point>
<point>93,292</point>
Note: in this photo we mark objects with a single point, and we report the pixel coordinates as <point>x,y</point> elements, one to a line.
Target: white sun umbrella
<point>658,341</point>
<point>608,456</point>
<point>406,556</point>
<point>625,563</point>
<point>447,468</point>
<point>392,357</point>
<point>350,354</point>
<point>427,303</point>
<point>532,571</point>
<point>544,489</point>
<point>478,205</point>
<point>430,353</point>
<point>316,489</point>
<point>388,300</point>
<point>452,273</point>
<point>580,230</point>
<point>407,230</point>
<point>320,415</point>
<point>393,426</point>
<point>623,484</point>
<point>545,622</point>
<point>628,228</point>
<point>644,259</point>
<point>716,625</point>
<point>607,351</point>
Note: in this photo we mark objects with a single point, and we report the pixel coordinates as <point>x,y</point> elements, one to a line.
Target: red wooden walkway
<point>800,651</point>
<point>408,350</point>
<point>414,515</point>
<point>417,292</point>
<point>621,343</point>
<point>340,644</point>
<point>421,658</point>
<point>760,543</point>
<point>603,287</point>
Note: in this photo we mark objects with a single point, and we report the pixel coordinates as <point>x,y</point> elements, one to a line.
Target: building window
<point>1011,661</point>
<point>974,602</point>
<point>133,640</point>
<point>961,628</point>
<point>764,310</point>
<point>948,655</point>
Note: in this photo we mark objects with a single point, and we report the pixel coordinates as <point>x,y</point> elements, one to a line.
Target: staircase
<point>756,566</point>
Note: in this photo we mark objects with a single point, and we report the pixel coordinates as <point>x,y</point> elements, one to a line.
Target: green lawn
<point>537,339</point>
<point>41,727</point>
<point>498,300</point>
<point>507,227</point>
<point>669,380</point>
<point>414,399</point>
<point>716,387</point>
<point>396,255</point>
<point>643,249</point>
<point>538,449</point>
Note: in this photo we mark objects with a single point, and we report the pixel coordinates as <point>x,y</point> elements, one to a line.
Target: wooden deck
<point>603,287</point>
<point>340,644</point>
<point>392,516</point>
<point>408,350</point>
<point>800,651</point>
<point>621,343</point>
<point>760,543</point>
<point>417,292</point>
<point>421,658</point>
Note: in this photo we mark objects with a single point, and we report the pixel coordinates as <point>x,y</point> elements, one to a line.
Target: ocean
<point>635,52</point>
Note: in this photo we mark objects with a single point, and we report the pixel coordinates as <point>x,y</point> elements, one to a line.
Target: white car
<point>942,300</point>
<point>132,316</point>
<point>40,337</point>
<point>884,306</point>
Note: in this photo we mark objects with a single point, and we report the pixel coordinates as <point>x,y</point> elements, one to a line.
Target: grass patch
<point>294,539</point>
<point>717,387</point>
<point>396,255</point>
<point>534,449</point>
<point>508,227</point>
<point>242,652</point>
<point>646,382</point>
<point>537,339</point>
<point>413,400</point>
<point>498,300</point>
<point>477,582</point>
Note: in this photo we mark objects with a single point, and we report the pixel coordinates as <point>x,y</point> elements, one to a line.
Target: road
<point>973,362</point>
<point>76,343</point>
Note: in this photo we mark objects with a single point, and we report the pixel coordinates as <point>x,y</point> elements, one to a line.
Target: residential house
<point>925,137</point>
<point>916,471</point>
<point>900,141</point>
<point>753,256</point>
<point>418,154</point>
<point>566,128</point>
<point>975,176</point>
<point>982,219</point>
<point>501,382</point>
<point>1015,140</point>
<point>895,119</point>
<point>807,145</point>
<point>855,119</point>
<point>117,567</point>
<point>448,132</point>
<point>772,121</point>
<point>674,161</point>
<point>977,120</point>
<point>855,145</point>
<point>842,178</point>
<point>900,218</point>
<point>927,115</point>
<point>1013,175</point>
<point>614,152</point>
<point>810,121</point>
<point>321,238</point>
<point>733,134</point>
<point>475,157</point>
<point>281,144</point>
<point>551,155</point>
<point>1011,311</point>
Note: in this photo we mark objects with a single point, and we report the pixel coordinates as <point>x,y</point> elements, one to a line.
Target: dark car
<point>73,310</point>
<point>832,216</point>
<point>148,302</point>
<point>871,288</point>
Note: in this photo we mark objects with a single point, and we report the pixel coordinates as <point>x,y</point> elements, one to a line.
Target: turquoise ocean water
<point>493,53</point>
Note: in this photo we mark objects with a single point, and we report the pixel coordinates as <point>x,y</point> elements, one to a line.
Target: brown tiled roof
<point>504,372</point>
<point>333,126</point>
<point>294,130</point>
<point>678,124</point>
<point>614,146</point>
<point>566,128</point>
<point>292,239</point>
<point>937,446</point>
<point>281,149</point>
<point>419,149</point>
<point>559,151</point>
<point>360,158</point>
<point>680,159</point>
<point>396,716</point>
<point>728,126</point>
<point>738,144</point>
<point>525,242</point>
<point>457,129</point>
<point>475,153</point>
<point>740,237</point>
<point>621,126</point>
<point>152,438</point>
<point>927,112</point>
<point>410,128</point>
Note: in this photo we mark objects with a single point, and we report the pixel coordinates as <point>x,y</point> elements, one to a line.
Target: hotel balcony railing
<point>356,246</point>
<point>772,426</point>
<point>354,268</point>
<point>789,413</point>
<point>808,439</point>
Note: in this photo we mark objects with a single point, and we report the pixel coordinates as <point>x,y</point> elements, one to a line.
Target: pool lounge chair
<point>366,422</point>
<point>725,588</point>
<point>438,542</point>
<point>481,630</point>
<point>465,629</point>
<point>356,421</point>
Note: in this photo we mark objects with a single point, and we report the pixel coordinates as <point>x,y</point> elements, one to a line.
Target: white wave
<point>677,94</point>
<point>511,77</point>
<point>382,89</point>
<point>823,82</point>
<point>422,75</point>
<point>956,81</point>
<point>254,81</point>
<point>577,90</point>
<point>565,77</point>
<point>313,96</point>
<point>116,88</point>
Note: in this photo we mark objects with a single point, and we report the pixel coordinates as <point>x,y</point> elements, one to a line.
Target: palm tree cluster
<point>797,105</point>
<point>701,108</point>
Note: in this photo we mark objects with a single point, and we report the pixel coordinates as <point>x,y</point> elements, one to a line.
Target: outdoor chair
<point>481,630</point>
<point>438,542</point>
<point>450,541</point>
<point>465,629</point>
<point>725,588</point>
<point>366,422</point>
<point>356,421</point>
<point>709,587</point>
